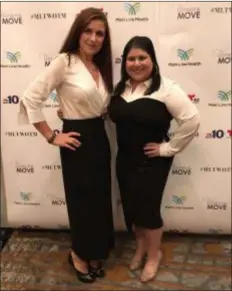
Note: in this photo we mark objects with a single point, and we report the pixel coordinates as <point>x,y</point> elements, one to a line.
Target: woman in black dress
<point>143,105</point>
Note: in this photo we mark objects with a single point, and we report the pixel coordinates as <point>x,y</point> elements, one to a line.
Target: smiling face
<point>139,65</point>
<point>92,38</point>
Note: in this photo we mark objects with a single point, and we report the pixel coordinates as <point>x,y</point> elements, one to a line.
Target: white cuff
<point>165,150</point>
<point>29,117</point>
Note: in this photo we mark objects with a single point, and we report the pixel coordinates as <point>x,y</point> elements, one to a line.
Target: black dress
<point>141,179</point>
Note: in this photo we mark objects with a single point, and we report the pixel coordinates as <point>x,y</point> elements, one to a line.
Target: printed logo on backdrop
<point>13,60</point>
<point>132,9</point>
<point>185,58</point>
<point>223,56</point>
<point>11,99</point>
<point>179,202</point>
<point>118,60</point>
<point>24,169</point>
<point>11,18</point>
<point>216,205</point>
<point>221,10</point>
<point>52,167</point>
<point>209,169</point>
<point>52,101</point>
<point>181,171</point>
<point>223,99</point>
<point>188,13</point>
<point>193,98</point>
<point>219,134</point>
<point>47,60</point>
<point>26,198</point>
<point>48,16</point>
<point>56,200</point>
<point>21,133</point>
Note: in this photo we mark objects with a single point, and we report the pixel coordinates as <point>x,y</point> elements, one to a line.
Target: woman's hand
<point>67,140</point>
<point>60,114</point>
<point>152,149</point>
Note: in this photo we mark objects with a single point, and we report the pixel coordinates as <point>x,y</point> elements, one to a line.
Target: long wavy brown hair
<point>103,59</point>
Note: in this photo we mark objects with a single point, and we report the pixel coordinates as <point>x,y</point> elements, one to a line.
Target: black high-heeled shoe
<point>83,277</point>
<point>97,272</point>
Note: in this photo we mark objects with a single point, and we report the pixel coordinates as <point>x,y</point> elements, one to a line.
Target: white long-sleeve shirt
<point>77,92</point>
<point>179,106</point>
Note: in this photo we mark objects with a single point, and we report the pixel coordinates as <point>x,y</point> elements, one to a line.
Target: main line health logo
<point>184,56</point>
<point>13,58</point>
<point>25,199</point>
<point>52,97</point>
<point>219,134</point>
<point>224,97</point>
<point>25,196</point>
<point>178,202</point>
<point>132,10</point>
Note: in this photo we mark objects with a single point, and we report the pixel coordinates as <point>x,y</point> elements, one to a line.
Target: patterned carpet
<point>37,260</point>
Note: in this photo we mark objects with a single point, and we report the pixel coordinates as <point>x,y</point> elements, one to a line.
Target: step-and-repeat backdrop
<point>193,44</point>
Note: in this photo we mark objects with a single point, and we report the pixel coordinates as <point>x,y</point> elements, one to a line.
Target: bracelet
<point>51,139</point>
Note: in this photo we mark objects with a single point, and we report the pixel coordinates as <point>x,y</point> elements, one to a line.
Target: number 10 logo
<point>219,133</point>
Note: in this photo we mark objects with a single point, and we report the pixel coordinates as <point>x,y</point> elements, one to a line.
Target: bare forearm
<point>43,128</point>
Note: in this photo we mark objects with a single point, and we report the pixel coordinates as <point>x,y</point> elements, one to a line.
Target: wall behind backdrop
<point>193,44</point>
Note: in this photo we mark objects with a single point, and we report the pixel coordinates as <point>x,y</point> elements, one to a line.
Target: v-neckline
<point>97,84</point>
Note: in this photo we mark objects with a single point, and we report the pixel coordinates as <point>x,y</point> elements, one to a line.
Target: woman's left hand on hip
<point>152,149</point>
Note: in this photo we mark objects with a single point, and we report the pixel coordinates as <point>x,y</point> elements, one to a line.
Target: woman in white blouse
<point>143,105</point>
<point>82,77</point>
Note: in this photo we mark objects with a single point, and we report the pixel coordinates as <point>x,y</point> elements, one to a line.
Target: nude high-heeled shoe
<point>150,269</point>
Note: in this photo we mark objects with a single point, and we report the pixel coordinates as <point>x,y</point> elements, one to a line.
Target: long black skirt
<point>87,183</point>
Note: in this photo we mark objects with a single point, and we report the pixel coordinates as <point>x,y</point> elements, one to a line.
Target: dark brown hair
<point>144,43</point>
<point>103,59</point>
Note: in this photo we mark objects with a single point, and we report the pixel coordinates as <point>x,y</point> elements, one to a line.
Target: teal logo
<point>25,196</point>
<point>179,200</point>
<point>132,9</point>
<point>53,97</point>
<point>224,96</point>
<point>184,55</point>
<point>13,57</point>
